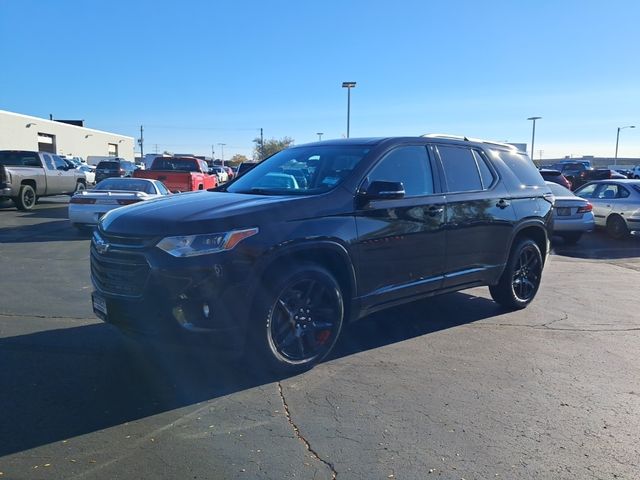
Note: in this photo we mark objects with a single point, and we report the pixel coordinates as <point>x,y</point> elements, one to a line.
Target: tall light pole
<point>533,134</point>
<point>615,160</point>
<point>348,86</point>
<point>222,152</point>
<point>320,136</point>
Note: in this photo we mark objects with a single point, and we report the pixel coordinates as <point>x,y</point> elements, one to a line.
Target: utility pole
<point>533,135</point>
<point>319,136</point>
<point>615,161</point>
<point>141,142</point>
<point>261,145</point>
<point>156,152</point>
<point>348,86</point>
<point>213,153</point>
<point>222,152</point>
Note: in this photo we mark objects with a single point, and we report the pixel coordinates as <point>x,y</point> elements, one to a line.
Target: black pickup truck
<point>579,173</point>
<point>25,176</point>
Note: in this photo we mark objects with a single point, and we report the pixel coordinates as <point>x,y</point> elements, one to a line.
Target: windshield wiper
<point>259,191</point>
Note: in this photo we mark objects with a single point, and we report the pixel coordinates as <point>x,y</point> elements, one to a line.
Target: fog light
<point>205,310</point>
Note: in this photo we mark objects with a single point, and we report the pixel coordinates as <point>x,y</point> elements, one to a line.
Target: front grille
<point>119,273</point>
<point>120,241</point>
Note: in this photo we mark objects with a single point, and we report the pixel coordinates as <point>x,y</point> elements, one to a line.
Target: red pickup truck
<point>180,174</point>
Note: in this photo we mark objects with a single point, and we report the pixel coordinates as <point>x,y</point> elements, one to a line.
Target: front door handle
<point>503,203</point>
<point>433,211</point>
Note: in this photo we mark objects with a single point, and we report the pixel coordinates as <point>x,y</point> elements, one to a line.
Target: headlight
<point>193,245</point>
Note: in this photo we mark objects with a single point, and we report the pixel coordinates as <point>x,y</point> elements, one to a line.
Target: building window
<point>46,142</point>
<point>113,150</point>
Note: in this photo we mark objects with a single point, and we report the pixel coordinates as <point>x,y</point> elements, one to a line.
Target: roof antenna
<point>466,139</point>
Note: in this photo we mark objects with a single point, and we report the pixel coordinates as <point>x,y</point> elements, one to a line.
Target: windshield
<point>108,165</point>
<point>301,171</point>
<point>559,190</point>
<point>19,159</point>
<point>125,185</point>
<point>174,164</point>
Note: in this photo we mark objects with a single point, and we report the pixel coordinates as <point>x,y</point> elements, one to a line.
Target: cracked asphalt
<point>452,387</point>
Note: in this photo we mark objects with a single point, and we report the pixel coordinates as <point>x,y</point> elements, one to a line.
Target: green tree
<point>270,147</point>
<point>237,159</point>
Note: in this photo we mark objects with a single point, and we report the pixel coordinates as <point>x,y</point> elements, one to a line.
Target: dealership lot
<point>451,387</point>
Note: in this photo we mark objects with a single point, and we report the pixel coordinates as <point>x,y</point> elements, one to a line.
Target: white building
<point>23,132</point>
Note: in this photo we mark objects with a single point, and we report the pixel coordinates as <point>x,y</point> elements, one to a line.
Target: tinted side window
<point>59,163</point>
<point>522,166</point>
<point>409,165</point>
<point>460,169</point>
<point>485,173</point>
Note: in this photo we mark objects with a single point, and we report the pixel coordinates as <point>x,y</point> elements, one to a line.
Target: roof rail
<point>467,139</point>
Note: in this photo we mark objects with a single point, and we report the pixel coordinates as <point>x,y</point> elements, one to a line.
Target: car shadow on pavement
<point>55,230</point>
<point>59,384</point>
<point>598,245</point>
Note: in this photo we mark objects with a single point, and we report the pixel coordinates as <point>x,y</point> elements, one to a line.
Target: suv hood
<point>197,212</point>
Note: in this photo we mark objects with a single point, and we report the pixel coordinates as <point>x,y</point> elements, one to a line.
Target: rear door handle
<point>503,203</point>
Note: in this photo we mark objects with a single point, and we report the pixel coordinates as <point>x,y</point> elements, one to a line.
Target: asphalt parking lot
<point>452,387</point>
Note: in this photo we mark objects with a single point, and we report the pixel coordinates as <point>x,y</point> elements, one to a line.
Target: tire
<point>296,322</point>
<point>26,198</point>
<point>616,227</point>
<point>571,238</point>
<point>520,280</point>
<point>79,188</point>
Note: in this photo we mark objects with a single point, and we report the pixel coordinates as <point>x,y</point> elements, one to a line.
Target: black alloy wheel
<point>521,278</point>
<point>526,276</point>
<point>304,316</point>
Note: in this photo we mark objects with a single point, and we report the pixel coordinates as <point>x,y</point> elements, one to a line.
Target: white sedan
<point>88,206</point>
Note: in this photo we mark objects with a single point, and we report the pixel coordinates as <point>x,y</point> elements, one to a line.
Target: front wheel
<point>520,280</point>
<point>297,321</point>
<point>79,188</point>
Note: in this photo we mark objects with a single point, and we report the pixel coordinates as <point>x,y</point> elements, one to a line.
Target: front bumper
<point>145,290</point>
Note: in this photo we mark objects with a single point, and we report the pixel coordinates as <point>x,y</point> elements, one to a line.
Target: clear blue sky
<point>197,73</point>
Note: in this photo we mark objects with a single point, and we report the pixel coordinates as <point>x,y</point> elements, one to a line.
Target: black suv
<point>114,168</point>
<point>278,265</point>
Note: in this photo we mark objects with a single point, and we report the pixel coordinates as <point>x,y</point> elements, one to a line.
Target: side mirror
<point>378,190</point>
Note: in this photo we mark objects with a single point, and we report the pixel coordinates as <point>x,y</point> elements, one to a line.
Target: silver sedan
<point>616,205</point>
<point>87,207</point>
<point>572,216</point>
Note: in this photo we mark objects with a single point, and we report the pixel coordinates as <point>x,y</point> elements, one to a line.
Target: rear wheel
<point>26,198</point>
<point>616,227</point>
<point>520,280</point>
<point>297,321</point>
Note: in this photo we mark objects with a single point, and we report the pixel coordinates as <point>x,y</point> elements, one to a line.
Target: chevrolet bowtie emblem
<point>102,246</point>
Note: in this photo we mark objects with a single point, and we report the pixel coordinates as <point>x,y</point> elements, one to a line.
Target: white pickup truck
<point>25,176</point>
